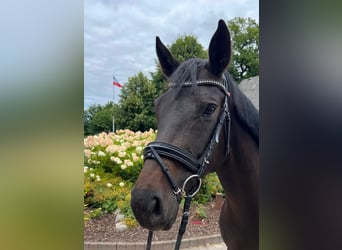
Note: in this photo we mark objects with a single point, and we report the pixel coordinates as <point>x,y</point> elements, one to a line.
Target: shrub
<point>210,186</point>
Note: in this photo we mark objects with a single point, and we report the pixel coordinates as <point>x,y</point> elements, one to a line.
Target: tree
<point>186,47</point>
<point>245,45</point>
<point>88,116</point>
<point>158,80</point>
<point>136,104</point>
<point>99,118</point>
<point>102,121</point>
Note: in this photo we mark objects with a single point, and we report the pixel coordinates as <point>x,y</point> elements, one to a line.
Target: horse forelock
<point>187,71</point>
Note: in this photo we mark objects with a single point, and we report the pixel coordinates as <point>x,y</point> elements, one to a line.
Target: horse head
<point>188,114</point>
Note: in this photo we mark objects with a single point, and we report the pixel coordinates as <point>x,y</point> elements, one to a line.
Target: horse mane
<point>246,112</point>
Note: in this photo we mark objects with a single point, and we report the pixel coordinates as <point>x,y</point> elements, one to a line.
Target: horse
<point>205,124</point>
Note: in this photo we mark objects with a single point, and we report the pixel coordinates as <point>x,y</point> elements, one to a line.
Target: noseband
<point>156,150</point>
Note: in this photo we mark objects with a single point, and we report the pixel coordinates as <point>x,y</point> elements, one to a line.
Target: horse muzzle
<point>152,210</point>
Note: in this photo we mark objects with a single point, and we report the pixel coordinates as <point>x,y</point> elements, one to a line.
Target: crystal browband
<point>201,83</point>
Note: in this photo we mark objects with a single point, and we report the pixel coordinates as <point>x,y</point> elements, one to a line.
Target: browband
<point>202,83</point>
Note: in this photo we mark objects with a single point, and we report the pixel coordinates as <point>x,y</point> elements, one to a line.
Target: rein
<point>156,150</point>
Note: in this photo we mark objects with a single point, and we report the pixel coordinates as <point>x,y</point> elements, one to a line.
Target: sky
<point>119,36</point>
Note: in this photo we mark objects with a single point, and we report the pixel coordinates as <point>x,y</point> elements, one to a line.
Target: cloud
<point>119,36</point>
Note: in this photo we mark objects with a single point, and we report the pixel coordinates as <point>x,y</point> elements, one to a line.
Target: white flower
<point>111,148</point>
<point>100,153</point>
<point>98,178</point>
<point>123,166</point>
<point>122,154</point>
<point>85,169</point>
<point>118,160</point>
<point>92,175</point>
<point>135,157</point>
<point>87,153</point>
<point>128,163</point>
<point>121,184</point>
<point>109,185</point>
<point>139,149</point>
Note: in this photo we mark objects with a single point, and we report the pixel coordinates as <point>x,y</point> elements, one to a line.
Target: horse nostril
<point>156,206</point>
<point>144,200</point>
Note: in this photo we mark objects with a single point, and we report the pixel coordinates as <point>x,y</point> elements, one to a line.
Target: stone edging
<point>157,245</point>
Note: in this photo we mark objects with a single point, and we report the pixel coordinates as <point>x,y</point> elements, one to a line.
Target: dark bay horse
<point>205,124</point>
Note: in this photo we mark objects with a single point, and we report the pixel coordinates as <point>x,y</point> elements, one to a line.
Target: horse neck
<point>239,220</point>
<point>239,173</point>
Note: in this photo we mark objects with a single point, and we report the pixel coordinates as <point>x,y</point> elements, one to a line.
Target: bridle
<point>155,150</point>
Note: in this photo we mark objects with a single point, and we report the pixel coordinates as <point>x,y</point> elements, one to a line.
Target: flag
<point>116,83</point>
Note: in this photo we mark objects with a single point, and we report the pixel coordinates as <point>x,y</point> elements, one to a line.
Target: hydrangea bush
<point>112,163</point>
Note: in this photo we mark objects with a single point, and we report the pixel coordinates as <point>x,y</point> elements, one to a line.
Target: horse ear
<point>167,62</point>
<point>220,49</point>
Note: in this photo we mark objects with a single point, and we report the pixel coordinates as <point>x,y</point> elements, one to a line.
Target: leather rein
<point>155,150</point>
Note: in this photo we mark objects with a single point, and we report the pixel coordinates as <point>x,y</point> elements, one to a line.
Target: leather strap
<point>172,152</point>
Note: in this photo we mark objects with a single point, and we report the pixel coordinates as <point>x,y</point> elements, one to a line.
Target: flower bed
<point>112,163</point>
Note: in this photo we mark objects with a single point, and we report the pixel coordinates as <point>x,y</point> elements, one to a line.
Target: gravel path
<point>103,229</point>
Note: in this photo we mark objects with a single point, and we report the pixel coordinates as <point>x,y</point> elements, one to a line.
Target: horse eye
<point>209,109</point>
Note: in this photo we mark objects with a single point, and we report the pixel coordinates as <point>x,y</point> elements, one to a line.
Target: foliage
<point>210,186</point>
<point>113,162</point>
<point>93,213</point>
<point>88,116</point>
<point>99,118</point>
<point>136,104</point>
<point>200,212</point>
<point>158,80</point>
<point>186,47</point>
<point>245,38</point>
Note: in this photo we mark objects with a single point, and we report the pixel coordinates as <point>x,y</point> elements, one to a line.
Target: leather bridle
<point>155,150</point>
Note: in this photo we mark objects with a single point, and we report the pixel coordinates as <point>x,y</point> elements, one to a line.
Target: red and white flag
<point>116,83</point>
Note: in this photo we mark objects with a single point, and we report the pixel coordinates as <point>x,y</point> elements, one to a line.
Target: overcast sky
<point>119,36</point>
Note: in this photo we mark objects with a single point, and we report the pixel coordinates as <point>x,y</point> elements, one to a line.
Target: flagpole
<point>113,107</point>
<point>115,83</point>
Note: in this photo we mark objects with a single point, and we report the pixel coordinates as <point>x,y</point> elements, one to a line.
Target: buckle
<point>196,190</point>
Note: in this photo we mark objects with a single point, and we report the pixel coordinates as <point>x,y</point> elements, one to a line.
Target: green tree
<point>136,104</point>
<point>186,47</point>
<point>245,38</point>
<point>99,118</point>
<point>101,121</point>
<point>158,80</point>
<point>88,116</point>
